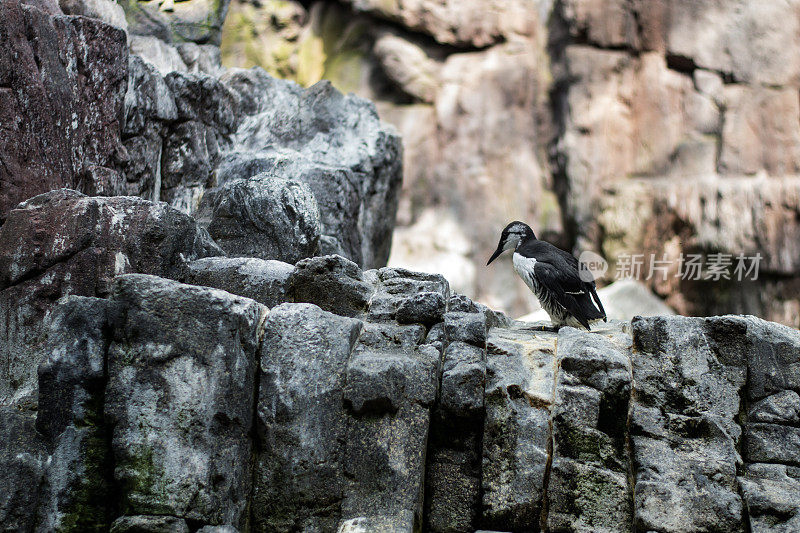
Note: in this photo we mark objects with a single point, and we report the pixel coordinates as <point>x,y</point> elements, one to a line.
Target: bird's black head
<point>511,236</point>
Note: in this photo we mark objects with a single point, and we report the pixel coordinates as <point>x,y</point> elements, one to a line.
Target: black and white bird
<point>554,277</point>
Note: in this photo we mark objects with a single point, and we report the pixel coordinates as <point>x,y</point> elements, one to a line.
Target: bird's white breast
<point>524,267</point>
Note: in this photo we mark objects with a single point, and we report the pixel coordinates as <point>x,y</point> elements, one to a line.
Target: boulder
<point>333,283</point>
<point>334,143</point>
<point>180,399</point>
<point>408,297</point>
<point>264,217</point>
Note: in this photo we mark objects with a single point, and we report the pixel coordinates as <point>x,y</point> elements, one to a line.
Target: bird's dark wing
<point>559,275</point>
<point>566,262</point>
<point>555,284</point>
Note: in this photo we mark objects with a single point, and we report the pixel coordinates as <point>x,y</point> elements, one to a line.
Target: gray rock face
<point>772,492</point>
<point>588,488</point>
<point>79,245</point>
<point>688,392</point>
<point>72,381</point>
<point>207,410</point>
<point>326,154</point>
<point>180,397</point>
<point>367,426</point>
<point>302,430</point>
<point>520,379</point>
<point>263,217</point>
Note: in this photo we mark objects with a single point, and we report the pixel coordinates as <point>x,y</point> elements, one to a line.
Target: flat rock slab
<point>263,281</point>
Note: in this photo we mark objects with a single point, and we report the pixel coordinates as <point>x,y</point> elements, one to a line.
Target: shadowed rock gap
<point>550,448</point>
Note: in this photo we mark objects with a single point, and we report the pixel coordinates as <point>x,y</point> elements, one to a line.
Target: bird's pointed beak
<point>496,253</point>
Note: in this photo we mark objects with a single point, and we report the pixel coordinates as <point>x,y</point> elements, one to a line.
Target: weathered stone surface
<point>467,327</point>
<point>333,283</point>
<point>772,493</point>
<point>772,443</point>
<point>62,84</point>
<point>520,377</point>
<point>334,188</point>
<point>298,478</point>
<point>226,129</point>
<point>770,30</point>
<point>424,308</point>
<point>588,488</point>
<point>688,390</point>
<point>378,382</point>
<point>453,477</point>
<point>180,398</point>
<point>263,217</point>
<point>387,369</point>
<point>408,297</point>
<point>62,243</point>
<point>330,135</point>
<point>463,379</point>
<point>760,132</point>
<point>266,282</point>
<point>72,380</point>
<point>780,408</point>
<point>773,355</point>
<point>22,459</point>
<point>108,11</point>
<point>384,462</point>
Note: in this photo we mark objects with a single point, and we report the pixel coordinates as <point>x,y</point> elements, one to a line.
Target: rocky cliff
<point>168,123</point>
<point>193,338</point>
<point>624,127</point>
<point>252,395</point>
